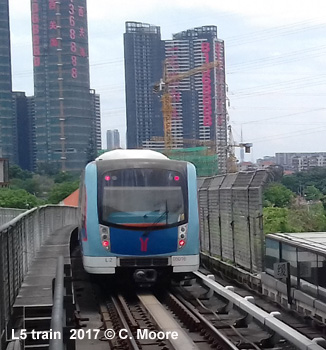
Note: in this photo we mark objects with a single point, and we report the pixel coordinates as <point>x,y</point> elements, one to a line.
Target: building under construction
<point>205,161</point>
<point>198,102</point>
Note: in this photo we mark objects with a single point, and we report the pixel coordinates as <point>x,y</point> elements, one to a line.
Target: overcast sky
<point>275,62</point>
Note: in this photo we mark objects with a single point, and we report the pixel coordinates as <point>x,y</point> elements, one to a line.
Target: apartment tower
<point>144,55</point>
<point>23,109</point>
<point>7,122</point>
<point>96,113</point>
<point>63,108</point>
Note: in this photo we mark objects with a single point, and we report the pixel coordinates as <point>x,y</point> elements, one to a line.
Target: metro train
<point>139,216</point>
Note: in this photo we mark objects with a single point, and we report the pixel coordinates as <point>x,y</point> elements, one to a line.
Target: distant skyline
<point>274,63</point>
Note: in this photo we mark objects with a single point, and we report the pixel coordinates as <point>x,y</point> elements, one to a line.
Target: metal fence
<point>231,218</point>
<point>20,239</point>
<point>7,214</point>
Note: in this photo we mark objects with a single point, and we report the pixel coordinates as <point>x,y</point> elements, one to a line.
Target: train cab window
<point>142,198</point>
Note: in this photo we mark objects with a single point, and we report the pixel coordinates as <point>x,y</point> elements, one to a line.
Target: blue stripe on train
<point>139,243</point>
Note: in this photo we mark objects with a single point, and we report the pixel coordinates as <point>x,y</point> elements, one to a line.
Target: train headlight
<point>182,235</point>
<point>105,237</point>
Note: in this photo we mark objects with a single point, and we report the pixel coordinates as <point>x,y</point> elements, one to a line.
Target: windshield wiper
<point>147,232</point>
<point>151,212</point>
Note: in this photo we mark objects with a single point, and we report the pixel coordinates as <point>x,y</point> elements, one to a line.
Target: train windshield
<point>143,198</point>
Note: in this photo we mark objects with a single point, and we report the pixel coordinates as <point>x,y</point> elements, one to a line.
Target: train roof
<point>131,154</point>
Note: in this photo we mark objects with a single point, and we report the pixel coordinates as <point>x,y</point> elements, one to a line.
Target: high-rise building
<point>112,139</point>
<point>24,116</point>
<point>198,101</point>
<point>31,115</point>
<point>144,55</point>
<point>63,116</point>
<point>7,123</point>
<point>96,113</point>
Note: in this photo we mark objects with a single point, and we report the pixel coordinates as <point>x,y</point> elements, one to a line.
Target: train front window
<point>143,198</point>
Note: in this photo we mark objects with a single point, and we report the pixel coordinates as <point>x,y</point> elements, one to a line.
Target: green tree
<point>17,199</point>
<point>46,184</point>
<point>61,191</point>
<point>30,185</point>
<point>307,218</point>
<point>299,181</point>
<point>65,176</point>
<point>323,201</point>
<point>293,183</point>
<point>48,168</point>
<point>276,220</point>
<point>16,172</point>
<point>312,193</point>
<point>277,195</point>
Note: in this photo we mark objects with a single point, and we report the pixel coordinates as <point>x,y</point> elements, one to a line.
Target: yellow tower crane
<point>166,99</point>
<point>231,162</point>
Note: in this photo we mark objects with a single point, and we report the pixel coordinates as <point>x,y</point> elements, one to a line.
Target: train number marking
<point>179,258</point>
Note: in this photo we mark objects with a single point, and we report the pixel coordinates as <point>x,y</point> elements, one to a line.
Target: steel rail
<point>263,317</point>
<point>230,326</point>
<point>224,342</point>
<point>130,339</point>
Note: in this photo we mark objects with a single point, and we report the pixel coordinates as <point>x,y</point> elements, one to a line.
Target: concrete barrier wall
<point>20,239</point>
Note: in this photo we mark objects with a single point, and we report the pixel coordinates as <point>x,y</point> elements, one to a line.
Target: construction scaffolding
<point>204,159</point>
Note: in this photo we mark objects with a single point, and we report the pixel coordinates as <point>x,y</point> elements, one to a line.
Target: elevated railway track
<point>204,314</point>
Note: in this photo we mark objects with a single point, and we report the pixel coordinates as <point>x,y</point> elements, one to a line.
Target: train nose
<point>145,275</point>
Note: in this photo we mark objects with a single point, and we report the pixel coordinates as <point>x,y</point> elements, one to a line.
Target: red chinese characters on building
<point>53,25</point>
<point>82,52</point>
<point>54,42</point>
<point>82,32</point>
<point>52,5</point>
<point>172,66</point>
<point>81,11</point>
<point>36,40</point>
<point>219,83</point>
<point>37,61</point>
<point>36,51</point>
<point>35,29</point>
<point>35,33</point>
<point>207,88</point>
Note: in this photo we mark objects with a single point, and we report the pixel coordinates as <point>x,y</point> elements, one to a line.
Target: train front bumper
<point>108,265</point>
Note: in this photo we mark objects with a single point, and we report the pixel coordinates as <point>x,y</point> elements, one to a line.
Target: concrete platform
<point>36,289</point>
